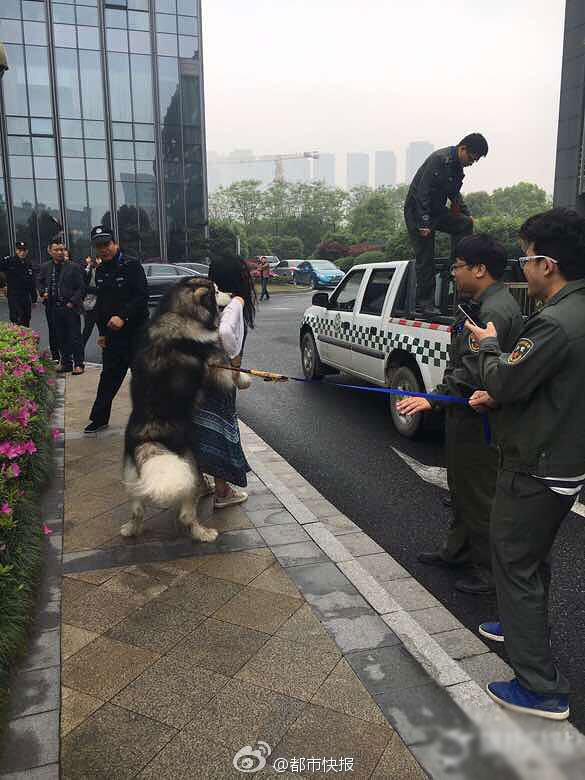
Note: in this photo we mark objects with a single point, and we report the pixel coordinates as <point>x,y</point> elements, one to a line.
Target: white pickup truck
<point>366,328</point>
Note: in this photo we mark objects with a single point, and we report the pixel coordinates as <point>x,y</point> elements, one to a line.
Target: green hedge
<point>374,256</point>
<point>27,398</point>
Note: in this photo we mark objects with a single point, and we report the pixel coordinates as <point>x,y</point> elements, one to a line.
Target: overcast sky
<point>362,75</point>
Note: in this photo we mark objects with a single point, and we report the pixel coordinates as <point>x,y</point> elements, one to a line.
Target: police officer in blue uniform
<point>121,311</point>
<point>22,289</point>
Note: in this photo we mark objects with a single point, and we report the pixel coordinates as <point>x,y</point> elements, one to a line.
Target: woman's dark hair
<point>475,143</point>
<point>481,249</point>
<point>560,234</point>
<point>231,275</point>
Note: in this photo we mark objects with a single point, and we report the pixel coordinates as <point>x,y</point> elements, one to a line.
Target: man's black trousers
<point>457,226</point>
<point>20,309</point>
<point>68,331</point>
<point>52,328</point>
<point>116,360</point>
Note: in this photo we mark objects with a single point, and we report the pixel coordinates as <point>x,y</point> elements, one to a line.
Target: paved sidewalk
<point>293,629</point>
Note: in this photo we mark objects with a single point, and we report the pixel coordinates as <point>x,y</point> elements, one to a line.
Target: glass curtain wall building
<point>103,121</point>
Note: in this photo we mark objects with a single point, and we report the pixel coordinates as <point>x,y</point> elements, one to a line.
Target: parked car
<point>286,268</point>
<point>161,276</point>
<point>317,274</point>
<point>200,268</point>
<point>272,260</point>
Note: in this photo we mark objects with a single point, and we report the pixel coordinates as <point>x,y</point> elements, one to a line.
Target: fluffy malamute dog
<point>173,367</point>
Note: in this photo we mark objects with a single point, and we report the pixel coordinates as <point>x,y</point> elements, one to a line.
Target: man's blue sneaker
<point>492,631</point>
<point>515,697</point>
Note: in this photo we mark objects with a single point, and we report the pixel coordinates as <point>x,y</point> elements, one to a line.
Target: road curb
<point>538,749</point>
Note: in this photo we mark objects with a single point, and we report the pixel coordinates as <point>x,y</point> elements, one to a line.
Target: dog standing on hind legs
<point>177,361</point>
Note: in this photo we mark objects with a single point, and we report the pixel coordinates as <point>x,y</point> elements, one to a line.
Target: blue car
<point>319,274</point>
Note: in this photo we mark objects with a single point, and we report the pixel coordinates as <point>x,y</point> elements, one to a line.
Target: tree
<point>259,245</point>
<point>287,247</point>
<point>479,204</point>
<point>522,200</point>
<point>372,218</point>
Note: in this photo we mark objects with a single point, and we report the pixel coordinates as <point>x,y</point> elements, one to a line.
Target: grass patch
<point>27,399</point>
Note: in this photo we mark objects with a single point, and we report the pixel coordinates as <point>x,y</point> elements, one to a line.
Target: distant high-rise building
<point>385,169</point>
<point>570,164</point>
<point>324,169</point>
<point>358,169</point>
<point>416,153</point>
<point>297,170</point>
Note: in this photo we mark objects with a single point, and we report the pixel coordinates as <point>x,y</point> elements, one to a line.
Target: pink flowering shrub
<point>26,401</point>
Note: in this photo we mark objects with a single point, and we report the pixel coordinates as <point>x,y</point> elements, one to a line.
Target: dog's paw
<point>202,534</point>
<point>131,529</point>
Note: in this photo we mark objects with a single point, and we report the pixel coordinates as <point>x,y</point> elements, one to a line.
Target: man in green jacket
<point>472,461</point>
<point>540,385</point>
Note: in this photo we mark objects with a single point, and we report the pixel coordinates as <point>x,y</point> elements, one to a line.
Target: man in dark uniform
<point>22,289</point>
<point>121,311</point>
<point>425,211</point>
<point>540,386</point>
<point>472,461</point>
<point>62,287</point>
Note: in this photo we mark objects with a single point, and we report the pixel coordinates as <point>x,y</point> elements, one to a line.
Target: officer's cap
<point>21,245</point>
<point>101,235</point>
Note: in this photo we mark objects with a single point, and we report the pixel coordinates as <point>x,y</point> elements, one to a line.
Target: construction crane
<point>277,159</point>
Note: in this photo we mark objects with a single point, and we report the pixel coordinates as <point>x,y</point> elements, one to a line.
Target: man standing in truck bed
<point>425,210</point>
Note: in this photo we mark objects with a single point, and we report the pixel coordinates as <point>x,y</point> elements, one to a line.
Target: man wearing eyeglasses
<point>439,179</point>
<point>472,462</point>
<point>540,385</point>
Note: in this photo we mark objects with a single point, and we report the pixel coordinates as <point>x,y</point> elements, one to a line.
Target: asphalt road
<point>342,440</point>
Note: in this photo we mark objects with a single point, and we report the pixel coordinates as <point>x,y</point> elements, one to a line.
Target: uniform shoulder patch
<point>473,344</point>
<point>520,351</point>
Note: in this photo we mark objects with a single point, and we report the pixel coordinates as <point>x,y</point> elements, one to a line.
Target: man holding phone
<point>472,463</point>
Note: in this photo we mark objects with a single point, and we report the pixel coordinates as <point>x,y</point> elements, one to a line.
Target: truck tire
<point>406,379</point>
<point>312,366</point>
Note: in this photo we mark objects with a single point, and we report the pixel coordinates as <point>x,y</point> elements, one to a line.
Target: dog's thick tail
<point>164,478</point>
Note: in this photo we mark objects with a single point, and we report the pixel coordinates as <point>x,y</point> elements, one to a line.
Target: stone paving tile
<point>157,626</point>
<point>263,501</point>
<point>275,580</point>
<point>398,762</point>
<point>328,591</point>
<point>97,611</point>
<point>264,552</point>
<point>200,595</point>
<point>75,708</point>
<point>369,587</point>
<point>75,589</point>
<point>83,532</point>
<point>141,587</point>
<point>305,627</point>
<point>97,577</point>
<point>189,757</point>
<point>34,692</point>
<point>93,504</point>
<point>299,554</point>
<point>360,631</point>
<point>73,639</point>
<point>31,741</point>
<point>112,743</point>
<point>105,667</point>
<point>238,567</point>
<point>322,732</point>
<point>47,772</point>
<point>259,610</point>
<point>486,668</point>
<point>359,544</point>
<point>460,643</point>
<point>320,507</point>
<point>435,619</point>
<point>232,518</point>
<point>344,692</point>
<point>387,669</point>
<point>43,651</point>
<point>171,693</point>
<point>338,525</point>
<point>289,668</point>
<point>382,566</point>
<point>410,594</point>
<point>241,714</point>
<point>283,534</point>
<point>272,516</point>
<point>221,647</point>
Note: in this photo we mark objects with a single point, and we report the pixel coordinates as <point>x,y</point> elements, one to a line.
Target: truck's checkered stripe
<point>433,353</point>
